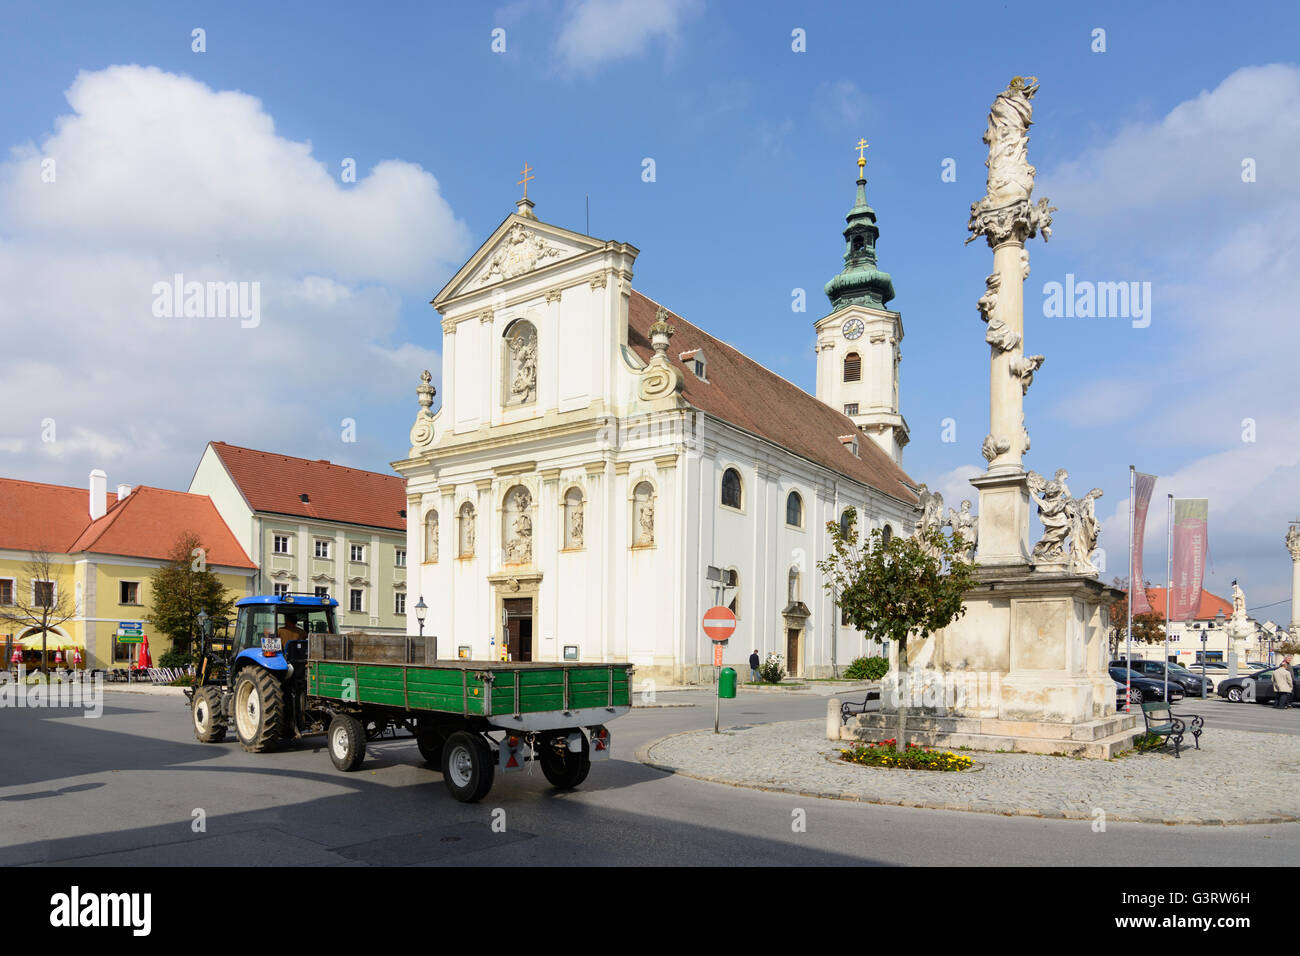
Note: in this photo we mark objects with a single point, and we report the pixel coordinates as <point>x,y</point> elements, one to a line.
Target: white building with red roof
<point>315,527</point>
<point>601,471</point>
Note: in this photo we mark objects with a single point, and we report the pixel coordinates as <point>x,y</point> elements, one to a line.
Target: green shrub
<point>867,668</point>
<point>174,658</point>
<point>771,672</point>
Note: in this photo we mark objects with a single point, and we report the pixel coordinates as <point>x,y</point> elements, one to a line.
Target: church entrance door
<point>792,652</point>
<point>519,628</point>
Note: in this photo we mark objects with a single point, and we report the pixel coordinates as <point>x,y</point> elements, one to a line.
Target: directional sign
<point>719,623</point>
<point>130,627</point>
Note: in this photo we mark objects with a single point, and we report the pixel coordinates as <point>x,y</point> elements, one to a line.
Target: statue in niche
<point>519,544</point>
<point>522,367</point>
<point>645,516</point>
<point>431,536</point>
<point>575,526</point>
<point>467,530</point>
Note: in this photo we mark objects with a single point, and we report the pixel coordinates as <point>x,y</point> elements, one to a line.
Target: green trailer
<point>469,718</point>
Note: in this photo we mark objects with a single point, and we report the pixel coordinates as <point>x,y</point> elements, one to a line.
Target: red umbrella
<point>143,660</point>
<point>58,656</point>
<point>18,657</point>
<point>76,655</point>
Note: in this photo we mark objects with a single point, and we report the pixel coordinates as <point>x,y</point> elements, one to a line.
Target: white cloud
<point>157,174</point>
<point>597,32</point>
<point>840,102</point>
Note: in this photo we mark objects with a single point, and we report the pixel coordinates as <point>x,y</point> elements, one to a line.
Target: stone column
<point>1293,545</point>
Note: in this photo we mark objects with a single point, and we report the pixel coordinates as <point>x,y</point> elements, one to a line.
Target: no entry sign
<point>719,623</point>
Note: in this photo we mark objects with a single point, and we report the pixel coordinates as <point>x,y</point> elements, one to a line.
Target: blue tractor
<point>257,675</point>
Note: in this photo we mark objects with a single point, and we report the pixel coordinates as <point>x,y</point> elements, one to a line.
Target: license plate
<point>270,644</point>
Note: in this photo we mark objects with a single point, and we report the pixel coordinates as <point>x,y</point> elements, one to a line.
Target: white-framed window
<point>6,590</point>
<point>355,600</point>
<point>731,488</point>
<point>851,408</point>
<point>281,590</point>
<point>399,558</point>
<point>357,552</point>
<point>322,592</point>
<point>794,510</point>
<point>44,593</point>
<point>128,592</point>
<point>853,367</point>
<point>281,544</point>
<point>322,548</point>
<point>399,602</point>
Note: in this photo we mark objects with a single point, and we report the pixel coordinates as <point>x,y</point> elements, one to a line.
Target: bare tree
<point>41,602</point>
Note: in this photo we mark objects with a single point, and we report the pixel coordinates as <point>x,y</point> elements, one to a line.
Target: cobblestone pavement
<point>1235,777</point>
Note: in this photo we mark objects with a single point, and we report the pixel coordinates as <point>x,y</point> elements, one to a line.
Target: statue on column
<point>1053,499</point>
<point>1293,541</point>
<point>965,524</point>
<point>1005,212</point>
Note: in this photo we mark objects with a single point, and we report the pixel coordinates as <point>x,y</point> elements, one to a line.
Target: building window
<point>853,367</point>
<point>519,364</point>
<point>357,553</point>
<point>731,488</point>
<point>6,590</point>
<point>281,545</point>
<point>886,533</point>
<point>851,408</point>
<point>399,558</point>
<point>354,600</point>
<point>281,590</point>
<point>574,519</point>
<point>129,592</point>
<point>731,578</point>
<point>399,602</point>
<point>322,592</point>
<point>124,653</point>
<point>465,530</point>
<point>322,548</point>
<point>699,369</point>
<point>846,523</point>
<point>794,510</point>
<point>43,593</point>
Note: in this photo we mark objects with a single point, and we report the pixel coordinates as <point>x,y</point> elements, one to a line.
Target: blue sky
<point>1140,146</point>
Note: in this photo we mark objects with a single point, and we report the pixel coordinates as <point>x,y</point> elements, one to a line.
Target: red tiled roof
<point>144,524</point>
<point>1210,605</point>
<point>148,521</point>
<point>275,483</point>
<point>38,517</point>
<point>742,392</point>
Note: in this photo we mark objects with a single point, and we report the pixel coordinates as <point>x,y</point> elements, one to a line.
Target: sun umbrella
<point>143,660</point>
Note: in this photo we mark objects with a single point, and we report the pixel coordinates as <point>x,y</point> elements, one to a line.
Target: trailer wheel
<point>347,742</point>
<point>562,767</point>
<point>467,766</point>
<point>209,721</point>
<point>258,709</point>
<point>431,745</point>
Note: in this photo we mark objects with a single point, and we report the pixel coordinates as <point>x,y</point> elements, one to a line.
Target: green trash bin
<point>727,683</point>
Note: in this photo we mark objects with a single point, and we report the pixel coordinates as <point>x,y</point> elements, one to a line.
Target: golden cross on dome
<point>862,144</point>
<point>524,181</point>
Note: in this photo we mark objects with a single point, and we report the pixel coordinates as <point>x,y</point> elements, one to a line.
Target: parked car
<point>1211,667</point>
<point>1189,681</point>
<point>1238,688</point>
<point>1144,688</point>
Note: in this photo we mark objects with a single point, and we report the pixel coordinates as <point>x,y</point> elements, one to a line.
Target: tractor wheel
<point>347,742</point>
<point>430,743</point>
<point>209,721</point>
<point>467,766</point>
<point>258,709</point>
<point>564,768</point>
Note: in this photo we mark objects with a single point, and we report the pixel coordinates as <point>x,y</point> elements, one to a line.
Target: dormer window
<point>695,361</point>
<point>851,443</point>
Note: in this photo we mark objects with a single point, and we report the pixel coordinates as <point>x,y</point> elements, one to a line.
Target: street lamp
<point>421,609</point>
<point>1218,622</point>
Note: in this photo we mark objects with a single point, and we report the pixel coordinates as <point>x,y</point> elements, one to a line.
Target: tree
<point>897,588</point>
<point>183,587</point>
<point>1148,628</point>
<point>44,604</point>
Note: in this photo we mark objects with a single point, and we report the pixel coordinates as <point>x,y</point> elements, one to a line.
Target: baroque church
<point>601,471</point>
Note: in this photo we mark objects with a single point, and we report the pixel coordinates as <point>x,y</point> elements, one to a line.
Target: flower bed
<point>913,757</point>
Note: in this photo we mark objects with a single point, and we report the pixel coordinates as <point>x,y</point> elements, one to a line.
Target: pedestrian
<point>1283,684</point>
<point>753,667</point>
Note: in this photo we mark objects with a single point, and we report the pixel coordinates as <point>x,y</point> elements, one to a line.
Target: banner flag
<point>1191,542</point>
<point>1143,486</point>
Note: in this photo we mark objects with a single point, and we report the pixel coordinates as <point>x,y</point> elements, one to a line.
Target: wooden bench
<point>1161,722</point>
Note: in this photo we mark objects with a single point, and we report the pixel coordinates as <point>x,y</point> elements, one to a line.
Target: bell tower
<point>858,342</point>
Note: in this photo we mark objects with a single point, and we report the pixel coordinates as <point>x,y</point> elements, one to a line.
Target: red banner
<point>1191,540</point>
<point>1143,486</point>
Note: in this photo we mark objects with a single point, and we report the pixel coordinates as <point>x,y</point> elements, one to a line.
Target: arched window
<point>733,580</point>
<point>519,364</point>
<point>431,537</point>
<point>794,510</point>
<point>731,488</point>
<point>465,530</point>
<point>853,367</point>
<point>643,515</point>
<point>846,523</point>
<point>573,518</point>
<point>886,533</point>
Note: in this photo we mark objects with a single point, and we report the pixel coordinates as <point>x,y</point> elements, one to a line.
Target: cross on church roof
<point>524,182</point>
<point>860,147</point>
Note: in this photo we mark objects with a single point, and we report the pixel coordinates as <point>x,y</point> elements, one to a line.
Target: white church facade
<point>598,463</point>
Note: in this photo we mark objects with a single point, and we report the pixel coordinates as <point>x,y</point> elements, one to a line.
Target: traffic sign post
<point>719,624</point>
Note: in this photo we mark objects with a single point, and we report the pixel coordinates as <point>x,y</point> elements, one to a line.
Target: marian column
<point>1006,217</point>
<point>1293,545</point>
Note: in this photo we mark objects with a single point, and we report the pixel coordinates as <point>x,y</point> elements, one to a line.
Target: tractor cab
<point>273,628</point>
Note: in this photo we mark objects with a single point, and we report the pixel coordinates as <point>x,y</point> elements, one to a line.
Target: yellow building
<point>87,556</point>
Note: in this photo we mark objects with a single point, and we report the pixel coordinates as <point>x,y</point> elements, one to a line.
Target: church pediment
<point>519,246</point>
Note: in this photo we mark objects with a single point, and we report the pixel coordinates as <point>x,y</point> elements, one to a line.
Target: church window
<point>643,515</point>
<point>574,518</point>
<point>519,364</point>
<point>853,367</point>
<point>733,582</point>
<point>430,538</point>
<point>465,530</point>
<point>886,533</point>
<point>846,523</point>
<point>731,488</point>
<point>851,408</point>
<point>794,510</point>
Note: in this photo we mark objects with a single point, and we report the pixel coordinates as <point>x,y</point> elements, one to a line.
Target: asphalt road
<point>129,787</point>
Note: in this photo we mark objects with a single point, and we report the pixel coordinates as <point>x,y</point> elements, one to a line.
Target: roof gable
<point>148,522</point>
<point>40,517</point>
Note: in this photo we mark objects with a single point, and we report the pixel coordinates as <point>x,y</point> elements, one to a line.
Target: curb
<point>1051,813</point>
<point>149,689</point>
